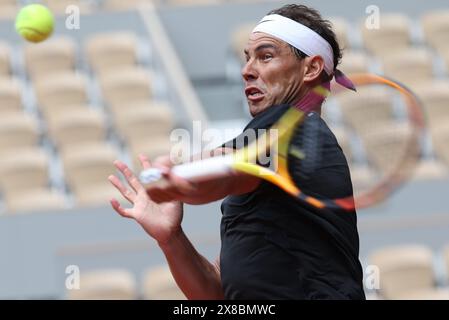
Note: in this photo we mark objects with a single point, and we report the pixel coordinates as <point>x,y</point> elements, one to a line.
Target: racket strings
<point>391,144</point>
<point>386,122</point>
<point>383,122</point>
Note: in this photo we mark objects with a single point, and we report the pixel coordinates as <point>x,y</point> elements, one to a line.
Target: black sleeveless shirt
<point>274,247</point>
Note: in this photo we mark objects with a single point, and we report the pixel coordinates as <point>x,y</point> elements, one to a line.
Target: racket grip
<point>196,170</point>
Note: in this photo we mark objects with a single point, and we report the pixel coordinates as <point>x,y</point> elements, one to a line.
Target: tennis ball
<point>35,22</point>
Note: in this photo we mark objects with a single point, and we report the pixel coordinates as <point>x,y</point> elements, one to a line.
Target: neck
<point>314,98</point>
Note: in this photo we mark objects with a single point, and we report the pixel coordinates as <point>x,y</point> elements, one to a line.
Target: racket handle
<point>196,170</point>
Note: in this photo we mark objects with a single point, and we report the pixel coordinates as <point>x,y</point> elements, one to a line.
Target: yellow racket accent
<point>281,181</point>
<point>315,202</point>
<point>278,137</point>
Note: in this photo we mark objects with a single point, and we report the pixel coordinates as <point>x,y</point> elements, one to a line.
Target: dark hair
<point>312,19</point>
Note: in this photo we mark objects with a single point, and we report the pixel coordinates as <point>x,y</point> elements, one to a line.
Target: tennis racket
<point>291,146</point>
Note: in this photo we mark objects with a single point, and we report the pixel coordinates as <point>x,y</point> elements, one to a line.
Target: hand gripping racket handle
<point>193,171</point>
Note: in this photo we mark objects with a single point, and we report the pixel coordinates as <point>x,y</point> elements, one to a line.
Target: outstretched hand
<point>161,221</point>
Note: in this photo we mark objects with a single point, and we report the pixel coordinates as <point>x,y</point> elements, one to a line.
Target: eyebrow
<point>262,47</point>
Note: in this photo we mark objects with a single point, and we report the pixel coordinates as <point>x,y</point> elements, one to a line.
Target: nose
<point>248,71</point>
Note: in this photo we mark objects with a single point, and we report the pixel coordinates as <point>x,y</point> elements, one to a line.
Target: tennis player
<point>273,247</point>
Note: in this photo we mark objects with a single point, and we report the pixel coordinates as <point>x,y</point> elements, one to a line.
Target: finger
<point>128,194</point>
<point>144,161</point>
<point>162,162</point>
<point>119,209</point>
<point>129,176</point>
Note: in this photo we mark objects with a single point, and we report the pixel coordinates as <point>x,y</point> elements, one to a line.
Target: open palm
<point>160,221</point>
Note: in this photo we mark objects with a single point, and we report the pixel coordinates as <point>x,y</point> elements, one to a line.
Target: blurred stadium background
<point>121,82</point>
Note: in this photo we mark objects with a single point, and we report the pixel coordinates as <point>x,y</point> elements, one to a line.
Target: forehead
<point>257,38</point>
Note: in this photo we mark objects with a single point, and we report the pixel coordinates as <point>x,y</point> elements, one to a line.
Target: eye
<point>267,56</point>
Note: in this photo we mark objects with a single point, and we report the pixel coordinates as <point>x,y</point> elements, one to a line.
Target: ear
<point>313,68</point>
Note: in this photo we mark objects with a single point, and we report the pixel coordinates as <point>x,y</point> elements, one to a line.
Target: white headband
<point>299,36</point>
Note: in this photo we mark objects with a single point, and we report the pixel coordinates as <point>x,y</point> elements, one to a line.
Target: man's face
<point>272,75</point>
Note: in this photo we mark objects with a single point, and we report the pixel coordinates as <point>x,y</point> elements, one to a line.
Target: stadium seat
<point>17,131</point>
<point>59,7</point>
<point>430,170</point>
<point>8,9</point>
<point>445,55</point>
<point>98,195</point>
<point>440,135</point>
<point>340,27</point>
<point>86,166</point>
<point>52,116</point>
<point>120,110</point>
<point>435,25</point>
<point>393,34</point>
<point>61,91</point>
<point>152,148</point>
<point>10,95</point>
<point>120,5</point>
<point>35,200</point>
<point>145,122</point>
<point>388,145</point>
<point>5,59</point>
<point>434,96</point>
<point>55,55</point>
<point>426,294</point>
<point>366,108</point>
<point>354,62</point>
<point>109,51</point>
<point>446,261</point>
<point>158,284</point>
<point>24,170</point>
<point>403,270</point>
<point>108,284</point>
<point>126,85</point>
<point>78,126</point>
<point>411,67</point>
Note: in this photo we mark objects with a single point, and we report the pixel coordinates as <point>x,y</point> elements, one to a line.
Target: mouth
<point>254,94</point>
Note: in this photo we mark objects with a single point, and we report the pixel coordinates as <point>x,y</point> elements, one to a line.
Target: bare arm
<point>194,274</point>
<point>196,277</point>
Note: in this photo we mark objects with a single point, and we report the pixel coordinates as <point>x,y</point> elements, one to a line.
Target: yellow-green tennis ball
<point>35,22</point>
